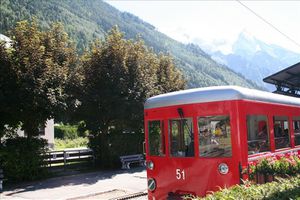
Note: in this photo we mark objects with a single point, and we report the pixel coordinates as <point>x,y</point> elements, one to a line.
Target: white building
<point>47,132</point>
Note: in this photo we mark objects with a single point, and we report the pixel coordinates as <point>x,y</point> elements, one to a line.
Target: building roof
<point>287,81</point>
<point>218,93</point>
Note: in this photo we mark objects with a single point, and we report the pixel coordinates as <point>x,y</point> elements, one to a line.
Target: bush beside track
<point>282,188</point>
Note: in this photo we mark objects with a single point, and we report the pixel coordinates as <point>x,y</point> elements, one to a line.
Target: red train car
<point>198,140</point>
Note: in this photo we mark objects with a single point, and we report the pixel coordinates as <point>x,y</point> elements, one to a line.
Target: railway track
<point>131,196</point>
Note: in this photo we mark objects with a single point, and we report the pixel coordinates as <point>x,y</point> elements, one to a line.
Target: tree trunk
<point>30,129</point>
<point>105,150</point>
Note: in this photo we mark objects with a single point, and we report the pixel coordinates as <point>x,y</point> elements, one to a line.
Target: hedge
<point>108,148</point>
<point>67,131</point>
<point>280,164</point>
<point>61,144</point>
<point>288,188</point>
<point>22,158</point>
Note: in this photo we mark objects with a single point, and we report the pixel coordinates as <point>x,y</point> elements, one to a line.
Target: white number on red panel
<point>180,174</point>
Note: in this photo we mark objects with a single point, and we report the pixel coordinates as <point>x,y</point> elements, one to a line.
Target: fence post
<point>94,158</point>
<point>1,180</point>
<point>50,156</point>
<point>65,159</point>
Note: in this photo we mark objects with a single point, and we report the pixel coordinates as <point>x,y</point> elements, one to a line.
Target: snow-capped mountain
<point>256,59</point>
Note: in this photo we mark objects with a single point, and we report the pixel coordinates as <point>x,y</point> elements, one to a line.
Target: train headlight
<point>151,184</point>
<point>150,165</point>
<point>223,168</point>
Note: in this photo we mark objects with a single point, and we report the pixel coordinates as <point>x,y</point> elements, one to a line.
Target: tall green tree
<point>119,75</point>
<point>103,84</point>
<point>42,62</point>
<point>8,87</point>
<point>141,79</point>
<point>169,78</point>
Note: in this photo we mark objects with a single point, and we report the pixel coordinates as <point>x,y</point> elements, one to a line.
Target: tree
<point>8,88</point>
<point>141,80</point>
<point>119,75</point>
<point>169,78</point>
<point>103,84</point>
<point>42,62</point>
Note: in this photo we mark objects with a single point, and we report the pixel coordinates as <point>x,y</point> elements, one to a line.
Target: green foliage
<point>61,144</point>
<point>168,79</point>
<point>65,132</point>
<point>119,75</point>
<point>83,23</point>
<point>281,189</point>
<point>119,144</point>
<point>22,158</point>
<point>82,130</point>
<point>8,91</point>
<point>42,65</point>
<point>288,164</point>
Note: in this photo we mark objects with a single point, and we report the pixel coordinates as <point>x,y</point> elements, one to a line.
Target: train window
<point>214,136</point>
<point>281,132</point>
<point>181,137</point>
<point>258,134</point>
<point>156,138</point>
<point>296,127</point>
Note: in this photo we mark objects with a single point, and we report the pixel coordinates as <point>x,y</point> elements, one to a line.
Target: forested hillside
<point>86,20</point>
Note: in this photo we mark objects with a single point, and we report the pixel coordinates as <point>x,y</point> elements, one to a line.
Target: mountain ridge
<point>87,20</point>
<point>256,59</point>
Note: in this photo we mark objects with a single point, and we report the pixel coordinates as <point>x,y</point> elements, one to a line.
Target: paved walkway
<point>95,185</point>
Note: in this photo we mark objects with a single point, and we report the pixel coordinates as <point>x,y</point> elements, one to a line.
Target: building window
<point>281,132</point>
<point>258,134</point>
<point>214,136</point>
<point>156,138</point>
<point>181,137</point>
<point>296,127</point>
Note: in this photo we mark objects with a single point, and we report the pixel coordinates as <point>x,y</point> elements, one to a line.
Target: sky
<point>218,23</point>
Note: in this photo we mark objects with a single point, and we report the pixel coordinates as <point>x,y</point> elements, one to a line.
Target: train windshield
<point>181,137</point>
<point>156,138</point>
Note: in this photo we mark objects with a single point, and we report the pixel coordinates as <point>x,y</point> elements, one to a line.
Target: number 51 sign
<point>180,174</point>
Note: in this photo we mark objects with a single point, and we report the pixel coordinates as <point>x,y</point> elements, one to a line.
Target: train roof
<point>217,93</point>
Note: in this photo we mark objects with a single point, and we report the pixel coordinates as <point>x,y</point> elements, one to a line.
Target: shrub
<point>288,188</point>
<point>65,132</point>
<point>70,143</point>
<point>82,130</point>
<point>22,158</point>
<point>288,164</point>
<point>107,149</point>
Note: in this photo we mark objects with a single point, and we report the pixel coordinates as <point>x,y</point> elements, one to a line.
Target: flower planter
<point>259,178</point>
<point>270,178</point>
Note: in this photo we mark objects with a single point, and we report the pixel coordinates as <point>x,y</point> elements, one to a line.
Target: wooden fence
<point>67,157</point>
